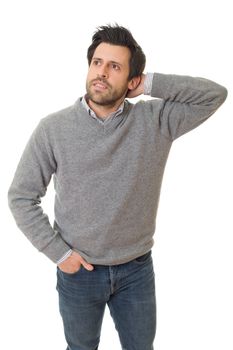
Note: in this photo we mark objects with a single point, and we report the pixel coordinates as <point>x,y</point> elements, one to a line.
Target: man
<point>107,157</point>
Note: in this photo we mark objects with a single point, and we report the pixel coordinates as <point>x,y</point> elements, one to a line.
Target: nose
<point>103,72</point>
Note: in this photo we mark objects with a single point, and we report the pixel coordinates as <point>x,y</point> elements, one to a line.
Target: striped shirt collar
<point>106,119</point>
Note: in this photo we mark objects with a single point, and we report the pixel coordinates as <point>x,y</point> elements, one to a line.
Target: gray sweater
<point>107,177</point>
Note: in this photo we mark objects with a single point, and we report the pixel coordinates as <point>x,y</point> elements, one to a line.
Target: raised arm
<point>185,103</point>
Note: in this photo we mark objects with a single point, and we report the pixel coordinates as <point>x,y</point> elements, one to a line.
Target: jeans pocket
<point>69,273</point>
<point>143,258</point>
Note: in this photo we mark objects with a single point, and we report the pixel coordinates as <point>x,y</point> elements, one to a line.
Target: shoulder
<point>59,120</point>
<point>58,117</point>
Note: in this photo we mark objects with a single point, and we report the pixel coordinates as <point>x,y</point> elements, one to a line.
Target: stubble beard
<point>105,98</point>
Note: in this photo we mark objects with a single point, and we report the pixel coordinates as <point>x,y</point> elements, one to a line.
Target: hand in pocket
<point>73,263</point>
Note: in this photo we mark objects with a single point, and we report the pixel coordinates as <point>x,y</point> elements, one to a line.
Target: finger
<point>86,265</point>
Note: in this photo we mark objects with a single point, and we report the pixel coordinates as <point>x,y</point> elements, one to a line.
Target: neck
<point>104,111</point>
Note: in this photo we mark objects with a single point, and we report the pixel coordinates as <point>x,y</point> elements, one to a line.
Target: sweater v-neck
<point>91,122</point>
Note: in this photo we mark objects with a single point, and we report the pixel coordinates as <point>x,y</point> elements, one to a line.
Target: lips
<point>100,85</point>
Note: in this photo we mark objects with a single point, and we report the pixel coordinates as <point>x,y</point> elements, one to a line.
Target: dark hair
<point>117,35</point>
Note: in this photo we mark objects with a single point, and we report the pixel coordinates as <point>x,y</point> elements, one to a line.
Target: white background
<point>43,69</point>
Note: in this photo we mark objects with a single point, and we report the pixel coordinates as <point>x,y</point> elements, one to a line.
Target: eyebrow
<point>100,59</point>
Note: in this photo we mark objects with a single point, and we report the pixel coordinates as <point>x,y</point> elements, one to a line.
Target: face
<point>107,78</point>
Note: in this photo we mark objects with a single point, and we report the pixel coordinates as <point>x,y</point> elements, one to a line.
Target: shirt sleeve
<point>148,83</point>
<point>65,256</point>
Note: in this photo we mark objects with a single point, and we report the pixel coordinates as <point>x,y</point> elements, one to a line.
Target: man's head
<point>120,36</point>
<point>116,63</point>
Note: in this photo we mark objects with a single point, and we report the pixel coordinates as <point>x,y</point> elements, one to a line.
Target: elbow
<point>12,204</point>
<point>10,199</point>
<point>14,199</point>
<point>222,95</point>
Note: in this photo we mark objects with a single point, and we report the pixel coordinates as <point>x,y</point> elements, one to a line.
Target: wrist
<point>65,256</point>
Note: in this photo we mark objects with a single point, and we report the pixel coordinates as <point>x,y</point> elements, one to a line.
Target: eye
<point>96,62</point>
<point>115,66</point>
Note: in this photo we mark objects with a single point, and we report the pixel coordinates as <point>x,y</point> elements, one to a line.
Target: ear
<point>134,82</point>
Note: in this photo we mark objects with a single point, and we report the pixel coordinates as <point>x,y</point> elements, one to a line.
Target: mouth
<point>99,85</point>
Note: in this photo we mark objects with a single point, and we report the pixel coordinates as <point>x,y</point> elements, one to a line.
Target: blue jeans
<point>128,290</point>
